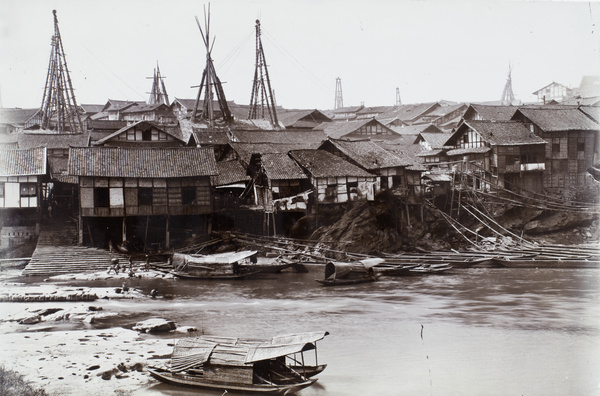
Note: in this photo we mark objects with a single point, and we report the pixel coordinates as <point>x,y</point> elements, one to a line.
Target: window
<point>101,197</point>
<point>331,192</point>
<point>352,187</point>
<point>28,190</point>
<point>556,147</point>
<point>147,135</point>
<point>145,196</point>
<point>188,195</point>
<point>580,144</point>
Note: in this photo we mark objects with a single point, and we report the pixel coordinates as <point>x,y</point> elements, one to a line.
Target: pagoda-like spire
<point>262,102</point>
<point>59,109</point>
<point>210,79</point>
<point>158,93</point>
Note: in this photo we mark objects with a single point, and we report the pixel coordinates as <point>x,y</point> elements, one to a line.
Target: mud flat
<point>92,362</point>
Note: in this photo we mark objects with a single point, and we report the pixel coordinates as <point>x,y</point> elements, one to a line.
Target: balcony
<point>533,167</point>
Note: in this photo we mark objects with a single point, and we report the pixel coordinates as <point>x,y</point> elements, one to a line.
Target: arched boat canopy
<point>190,352</point>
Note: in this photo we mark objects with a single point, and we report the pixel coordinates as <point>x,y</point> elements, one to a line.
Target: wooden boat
<point>243,365</point>
<point>393,269</point>
<point>271,267</point>
<point>343,273</point>
<point>430,269</point>
<point>228,265</point>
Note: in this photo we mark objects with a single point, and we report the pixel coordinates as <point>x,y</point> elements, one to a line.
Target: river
<point>487,331</point>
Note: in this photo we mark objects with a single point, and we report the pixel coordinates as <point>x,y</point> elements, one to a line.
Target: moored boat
<point>345,273</point>
<point>243,365</point>
<point>430,269</point>
<point>230,265</point>
<point>270,266</point>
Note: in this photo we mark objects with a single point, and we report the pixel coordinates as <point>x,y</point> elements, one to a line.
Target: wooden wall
<point>19,192</point>
<point>166,196</point>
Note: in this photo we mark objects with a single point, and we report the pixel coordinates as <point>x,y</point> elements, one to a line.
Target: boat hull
<point>190,381</point>
<point>340,282</point>
<point>208,276</point>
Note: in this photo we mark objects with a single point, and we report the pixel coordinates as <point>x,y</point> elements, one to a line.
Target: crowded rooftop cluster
<point>188,166</point>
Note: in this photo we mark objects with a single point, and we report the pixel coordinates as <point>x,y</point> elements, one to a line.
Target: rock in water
<point>155,325</point>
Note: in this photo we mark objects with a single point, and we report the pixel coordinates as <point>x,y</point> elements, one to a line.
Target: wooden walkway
<point>57,253</point>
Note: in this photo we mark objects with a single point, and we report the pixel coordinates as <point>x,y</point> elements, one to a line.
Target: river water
<point>487,331</point>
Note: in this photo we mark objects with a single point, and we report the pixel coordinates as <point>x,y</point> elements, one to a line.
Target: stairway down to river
<point>57,252</point>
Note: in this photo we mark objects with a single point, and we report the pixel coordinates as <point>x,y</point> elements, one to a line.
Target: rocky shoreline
<point>84,361</point>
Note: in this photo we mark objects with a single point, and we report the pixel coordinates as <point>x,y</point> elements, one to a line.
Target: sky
<point>429,50</point>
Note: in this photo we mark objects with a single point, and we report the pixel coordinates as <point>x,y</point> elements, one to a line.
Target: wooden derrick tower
<point>59,111</point>
<point>210,80</point>
<point>339,99</point>
<point>262,102</point>
<point>507,94</point>
<point>158,93</point>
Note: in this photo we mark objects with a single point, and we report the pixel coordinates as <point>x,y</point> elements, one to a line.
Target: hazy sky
<point>430,50</point>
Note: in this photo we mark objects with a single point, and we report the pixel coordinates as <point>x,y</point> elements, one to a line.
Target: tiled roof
<point>338,129</point>
<point>229,172</point>
<point>471,150</point>
<point>92,108</point>
<point>111,125</point>
<point>301,118</point>
<point>16,116</point>
<point>130,126</point>
<point>368,154</point>
<point>279,166</point>
<point>496,113</point>
<point>349,109</point>
<point>114,105</point>
<point>311,139</point>
<point>553,120</point>
<point>435,140</point>
<point>429,153</point>
<point>146,107</point>
<point>375,109</point>
<point>204,137</point>
<point>591,111</point>
<point>408,152</point>
<point>142,162</point>
<point>504,133</point>
<point>52,140</point>
<point>444,110</point>
<point>416,129</point>
<point>321,163</point>
<point>409,112</point>
<point>246,150</point>
<point>28,162</point>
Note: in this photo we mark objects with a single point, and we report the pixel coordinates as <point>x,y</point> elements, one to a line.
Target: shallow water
<point>469,332</point>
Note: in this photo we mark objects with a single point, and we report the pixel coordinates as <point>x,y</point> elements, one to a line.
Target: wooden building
<point>61,189</point>
<point>334,179</point>
<point>279,183</point>
<point>572,144</point>
<point>113,108</point>
<point>159,113</point>
<point>388,166</point>
<point>358,129</point>
<point>142,134</point>
<point>553,92</point>
<point>16,120</point>
<point>503,153</point>
<point>301,119</point>
<point>481,112</point>
<point>346,113</point>
<point>22,174</point>
<point>146,196</point>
